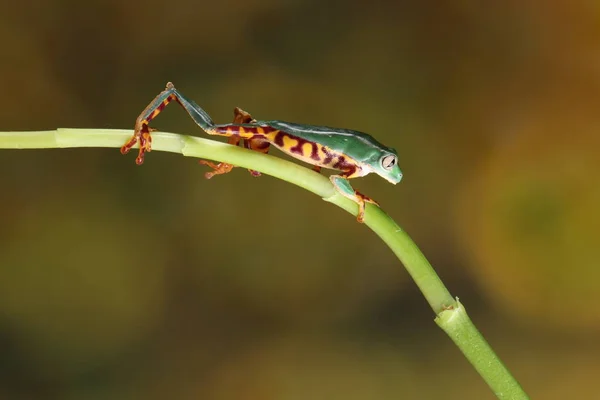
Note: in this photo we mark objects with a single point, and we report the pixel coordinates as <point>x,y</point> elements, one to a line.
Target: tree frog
<point>352,153</point>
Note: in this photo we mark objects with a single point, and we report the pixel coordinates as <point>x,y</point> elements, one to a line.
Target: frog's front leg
<point>343,186</point>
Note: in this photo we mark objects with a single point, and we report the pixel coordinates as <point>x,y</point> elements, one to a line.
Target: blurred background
<point>127,282</point>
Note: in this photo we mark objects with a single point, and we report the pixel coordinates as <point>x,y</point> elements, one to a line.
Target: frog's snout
<point>394,179</point>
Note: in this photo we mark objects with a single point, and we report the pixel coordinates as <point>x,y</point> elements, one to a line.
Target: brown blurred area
<point>127,282</point>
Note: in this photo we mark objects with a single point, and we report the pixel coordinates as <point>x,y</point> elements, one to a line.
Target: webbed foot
<point>143,137</point>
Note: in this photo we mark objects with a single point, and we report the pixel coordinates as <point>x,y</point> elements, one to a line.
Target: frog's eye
<point>388,162</point>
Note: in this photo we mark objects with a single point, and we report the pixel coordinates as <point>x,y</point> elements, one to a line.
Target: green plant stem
<point>451,315</point>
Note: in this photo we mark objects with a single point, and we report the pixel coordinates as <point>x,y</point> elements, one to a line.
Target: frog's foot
<point>361,199</point>
<point>345,189</point>
<point>218,169</point>
<point>254,173</point>
<point>222,168</point>
<point>142,136</point>
<point>242,117</point>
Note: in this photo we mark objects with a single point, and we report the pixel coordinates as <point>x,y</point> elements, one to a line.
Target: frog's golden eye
<point>388,162</point>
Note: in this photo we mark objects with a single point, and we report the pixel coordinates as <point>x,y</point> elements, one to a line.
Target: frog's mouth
<point>392,179</point>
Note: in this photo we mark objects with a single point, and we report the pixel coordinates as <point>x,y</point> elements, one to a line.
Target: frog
<point>353,153</point>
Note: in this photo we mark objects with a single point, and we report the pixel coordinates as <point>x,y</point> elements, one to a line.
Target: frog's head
<point>386,166</point>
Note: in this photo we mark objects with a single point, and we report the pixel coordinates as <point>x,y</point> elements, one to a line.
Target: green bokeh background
<point>126,282</point>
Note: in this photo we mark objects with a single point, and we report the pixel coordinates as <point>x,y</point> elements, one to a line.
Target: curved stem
<point>451,315</point>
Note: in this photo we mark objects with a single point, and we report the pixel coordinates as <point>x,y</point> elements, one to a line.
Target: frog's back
<point>347,140</point>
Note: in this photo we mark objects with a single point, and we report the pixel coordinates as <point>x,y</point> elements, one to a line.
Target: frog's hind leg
<point>142,128</point>
<point>343,186</point>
